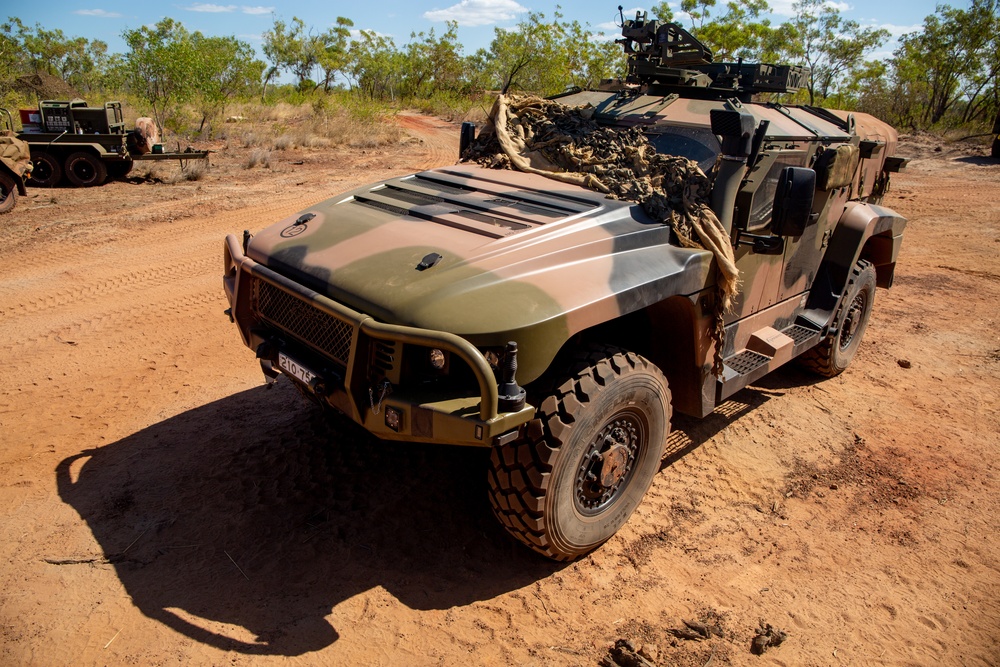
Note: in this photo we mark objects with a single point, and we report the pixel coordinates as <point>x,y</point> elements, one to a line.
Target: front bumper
<point>354,356</point>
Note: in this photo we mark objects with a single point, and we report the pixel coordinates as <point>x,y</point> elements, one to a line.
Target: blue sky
<point>99,19</point>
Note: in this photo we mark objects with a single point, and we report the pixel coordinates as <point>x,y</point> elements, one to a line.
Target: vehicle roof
<point>785,122</point>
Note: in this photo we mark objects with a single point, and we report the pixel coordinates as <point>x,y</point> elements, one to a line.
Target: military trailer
<point>86,145</point>
<point>561,329</point>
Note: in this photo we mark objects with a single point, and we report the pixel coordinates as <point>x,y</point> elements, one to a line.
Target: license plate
<point>295,369</point>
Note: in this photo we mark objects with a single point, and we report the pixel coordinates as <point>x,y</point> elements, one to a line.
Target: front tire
<point>46,171</point>
<point>588,457</point>
<point>835,352</point>
<point>8,193</point>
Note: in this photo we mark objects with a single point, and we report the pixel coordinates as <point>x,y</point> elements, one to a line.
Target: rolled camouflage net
<point>564,143</point>
<point>14,153</point>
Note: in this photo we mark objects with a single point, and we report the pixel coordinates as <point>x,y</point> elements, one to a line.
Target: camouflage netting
<point>14,153</point>
<point>544,137</point>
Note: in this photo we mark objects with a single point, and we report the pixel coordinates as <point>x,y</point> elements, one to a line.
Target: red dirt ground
<point>161,506</point>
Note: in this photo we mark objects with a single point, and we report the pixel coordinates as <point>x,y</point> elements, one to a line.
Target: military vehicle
<point>86,145</point>
<point>560,328</point>
<point>15,166</point>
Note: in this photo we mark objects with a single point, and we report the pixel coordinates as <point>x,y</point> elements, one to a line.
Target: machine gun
<point>665,58</point>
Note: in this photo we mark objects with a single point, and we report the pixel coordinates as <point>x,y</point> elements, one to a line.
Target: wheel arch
<point>668,334</point>
<point>865,231</point>
<point>18,181</point>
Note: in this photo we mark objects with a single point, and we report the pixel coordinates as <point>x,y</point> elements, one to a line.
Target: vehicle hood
<point>482,253</point>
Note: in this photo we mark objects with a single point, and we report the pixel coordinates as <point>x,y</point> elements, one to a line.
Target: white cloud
<point>356,33</point>
<point>629,14</point>
<point>469,13</point>
<point>256,10</point>
<point>784,7</point>
<point>897,31</point>
<point>100,13</point>
<point>210,9</point>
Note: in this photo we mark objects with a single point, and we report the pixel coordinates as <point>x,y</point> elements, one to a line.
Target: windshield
<point>696,143</point>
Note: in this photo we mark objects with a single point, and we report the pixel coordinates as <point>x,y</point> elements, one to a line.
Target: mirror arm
<point>762,245</point>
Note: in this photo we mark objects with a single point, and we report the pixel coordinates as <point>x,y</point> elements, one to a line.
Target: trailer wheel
<point>85,170</point>
<point>8,193</point>
<point>587,458</point>
<point>119,168</point>
<point>46,172</point>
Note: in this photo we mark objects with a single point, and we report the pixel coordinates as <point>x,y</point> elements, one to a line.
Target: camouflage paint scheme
<point>523,258</point>
<point>14,160</point>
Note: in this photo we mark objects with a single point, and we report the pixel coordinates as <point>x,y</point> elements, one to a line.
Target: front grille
<point>301,319</point>
<point>384,355</point>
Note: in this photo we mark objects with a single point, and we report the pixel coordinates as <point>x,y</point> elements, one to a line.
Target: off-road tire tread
<point>10,187</point>
<point>819,359</point>
<point>519,470</point>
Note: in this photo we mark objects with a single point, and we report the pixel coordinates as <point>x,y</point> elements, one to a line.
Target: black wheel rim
<point>42,171</point>
<point>852,322</point>
<point>609,462</point>
<point>83,170</point>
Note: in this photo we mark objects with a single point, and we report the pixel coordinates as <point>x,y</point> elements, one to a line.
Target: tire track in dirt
<point>80,294</point>
<point>117,324</point>
<point>439,139</point>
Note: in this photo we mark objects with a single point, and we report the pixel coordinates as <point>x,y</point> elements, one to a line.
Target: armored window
<point>695,143</point>
<point>756,199</point>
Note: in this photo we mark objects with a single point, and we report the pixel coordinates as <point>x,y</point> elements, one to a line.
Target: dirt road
<point>159,505</point>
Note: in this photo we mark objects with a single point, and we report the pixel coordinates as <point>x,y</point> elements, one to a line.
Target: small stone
<point>904,363</point>
<point>650,652</point>
<point>834,487</point>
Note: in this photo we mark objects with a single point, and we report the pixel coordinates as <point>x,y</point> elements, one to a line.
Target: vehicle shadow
<point>242,523</point>
<point>981,160</point>
<point>688,433</point>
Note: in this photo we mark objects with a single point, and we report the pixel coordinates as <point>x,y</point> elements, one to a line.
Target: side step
<point>767,349</point>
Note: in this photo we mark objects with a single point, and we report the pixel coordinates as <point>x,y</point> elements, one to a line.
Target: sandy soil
<point>161,506</point>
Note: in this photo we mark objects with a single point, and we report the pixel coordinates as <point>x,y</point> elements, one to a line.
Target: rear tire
<point>996,148</point>
<point>85,170</point>
<point>119,168</point>
<point>8,193</point>
<point>588,457</point>
<point>46,170</point>
<point>834,353</point>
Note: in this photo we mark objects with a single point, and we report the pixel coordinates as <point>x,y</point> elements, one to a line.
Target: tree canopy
<point>948,72</point>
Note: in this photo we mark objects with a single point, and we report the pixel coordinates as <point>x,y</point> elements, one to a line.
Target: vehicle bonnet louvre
<point>479,207</point>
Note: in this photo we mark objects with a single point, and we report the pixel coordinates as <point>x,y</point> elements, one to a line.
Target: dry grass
<point>195,170</point>
<point>258,156</point>
<point>284,126</point>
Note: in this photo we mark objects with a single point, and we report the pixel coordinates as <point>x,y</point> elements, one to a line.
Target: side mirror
<point>793,201</point>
